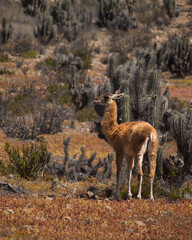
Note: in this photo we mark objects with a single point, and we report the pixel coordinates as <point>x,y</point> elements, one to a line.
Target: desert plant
<point>181,128</point>
<point>46,121</point>
<point>6,31</point>
<point>32,6</point>
<point>45,31</point>
<point>29,162</point>
<point>120,14</point>
<point>83,167</point>
<point>175,55</point>
<point>69,19</point>
<point>171,9</point>
<point>82,93</point>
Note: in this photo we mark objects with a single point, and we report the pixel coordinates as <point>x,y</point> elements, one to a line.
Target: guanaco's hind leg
<point>152,164</point>
<point>138,163</point>
<point>119,163</point>
<point>130,163</point>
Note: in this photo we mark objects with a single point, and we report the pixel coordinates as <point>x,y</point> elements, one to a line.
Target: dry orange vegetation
<point>64,218</point>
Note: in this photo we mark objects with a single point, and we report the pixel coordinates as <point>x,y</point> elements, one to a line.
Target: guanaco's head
<point>104,101</point>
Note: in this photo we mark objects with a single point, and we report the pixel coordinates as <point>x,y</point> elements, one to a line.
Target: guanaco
<point>130,140</point>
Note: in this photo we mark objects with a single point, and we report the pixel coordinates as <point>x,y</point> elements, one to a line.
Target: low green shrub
<point>4,58</point>
<point>86,114</point>
<point>6,71</point>
<point>30,54</point>
<point>28,163</point>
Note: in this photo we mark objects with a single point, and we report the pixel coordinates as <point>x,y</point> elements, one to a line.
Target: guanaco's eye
<point>106,98</point>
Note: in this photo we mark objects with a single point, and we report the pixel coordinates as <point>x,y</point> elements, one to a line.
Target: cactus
<point>182,133</point>
<point>83,167</point>
<point>171,9</point>
<point>6,31</point>
<point>160,160</point>
<point>69,20</point>
<point>66,151</point>
<point>105,10</point>
<point>176,56</point>
<point>45,31</point>
<point>31,6</point>
<point>82,94</point>
<point>120,13</point>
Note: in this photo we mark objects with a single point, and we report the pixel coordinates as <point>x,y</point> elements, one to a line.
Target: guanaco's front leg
<point>119,163</point>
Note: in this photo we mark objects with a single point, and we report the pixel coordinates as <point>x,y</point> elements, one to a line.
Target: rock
<point>129,230</point>
<point>68,206</point>
<point>140,223</point>
<point>91,195</point>
<point>28,227</point>
<point>49,198</point>
<point>188,196</point>
<point>67,218</point>
<point>164,213</point>
<point>29,205</point>
<point>9,210</point>
<point>108,207</point>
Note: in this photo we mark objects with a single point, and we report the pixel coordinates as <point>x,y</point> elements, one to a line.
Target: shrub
<point>4,58</point>
<point>23,45</point>
<point>47,120</point>
<point>29,54</point>
<point>86,114</point>
<point>28,163</point>
<point>4,70</point>
<point>58,94</point>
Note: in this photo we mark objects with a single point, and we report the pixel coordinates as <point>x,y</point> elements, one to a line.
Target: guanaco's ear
<point>118,96</point>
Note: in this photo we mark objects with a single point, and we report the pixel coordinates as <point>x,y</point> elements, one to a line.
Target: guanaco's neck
<point>110,120</point>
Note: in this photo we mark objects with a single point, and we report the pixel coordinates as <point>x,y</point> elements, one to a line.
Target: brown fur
<point>131,139</point>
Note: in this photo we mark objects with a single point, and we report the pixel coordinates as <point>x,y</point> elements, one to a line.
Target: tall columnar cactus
<point>105,10</point>
<point>120,13</point>
<point>176,56</point>
<point>66,151</point>
<point>45,31</point>
<point>171,9</point>
<point>70,20</point>
<point>160,161</point>
<point>6,31</point>
<point>32,6</point>
<point>82,94</point>
<point>182,133</point>
<point>126,102</point>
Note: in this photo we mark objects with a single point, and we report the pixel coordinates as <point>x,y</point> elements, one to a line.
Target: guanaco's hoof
<point>116,198</point>
<point>139,197</point>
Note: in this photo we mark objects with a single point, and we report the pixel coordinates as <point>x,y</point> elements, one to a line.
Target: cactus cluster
<point>82,94</point>
<point>176,56</point>
<point>34,6</point>
<point>45,31</point>
<point>70,20</point>
<point>119,13</point>
<point>181,129</point>
<point>6,31</point>
<point>83,168</point>
<point>171,8</point>
<point>139,81</point>
<point>67,60</point>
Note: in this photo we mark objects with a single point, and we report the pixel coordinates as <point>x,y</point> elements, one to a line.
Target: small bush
<point>30,54</point>
<point>58,94</point>
<point>22,46</point>
<point>4,58</point>
<point>86,114</point>
<point>48,120</point>
<point>4,70</point>
<point>29,162</point>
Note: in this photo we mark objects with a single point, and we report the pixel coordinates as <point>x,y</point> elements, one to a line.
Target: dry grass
<point>66,218</point>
